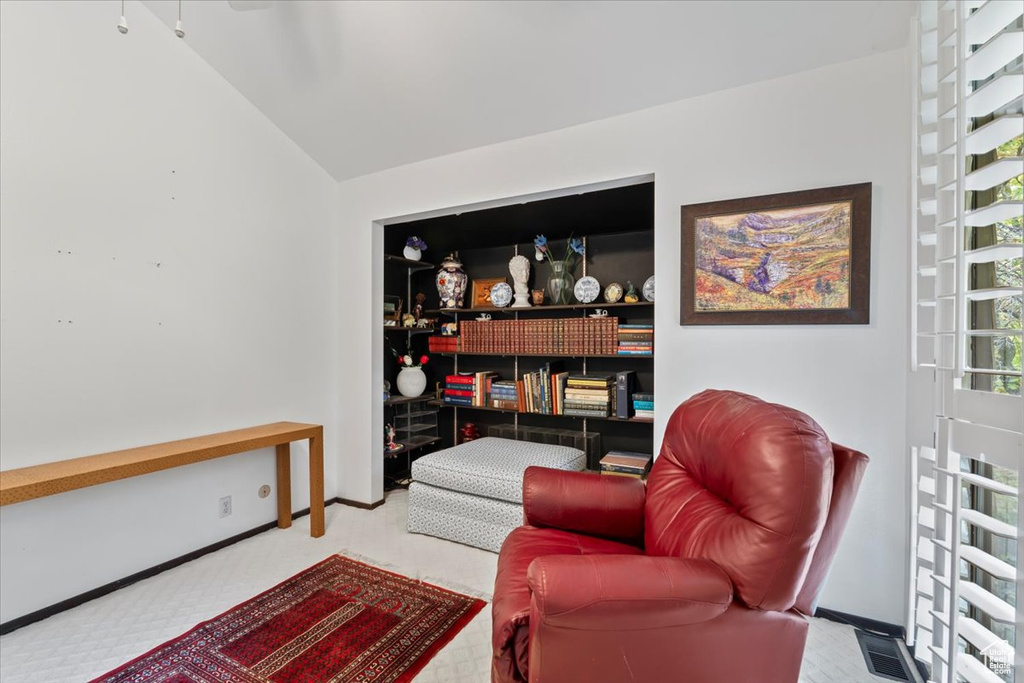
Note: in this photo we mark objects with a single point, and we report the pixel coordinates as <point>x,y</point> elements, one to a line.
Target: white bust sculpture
<point>519,267</point>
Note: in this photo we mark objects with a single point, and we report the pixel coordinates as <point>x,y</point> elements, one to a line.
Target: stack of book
<point>589,395</point>
<point>468,388</point>
<point>502,393</point>
<point>626,464</point>
<point>643,405</point>
<point>440,344</point>
<point>636,340</point>
<point>458,389</point>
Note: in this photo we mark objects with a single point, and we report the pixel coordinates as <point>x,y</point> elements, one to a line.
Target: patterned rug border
<point>477,606</point>
<point>435,581</point>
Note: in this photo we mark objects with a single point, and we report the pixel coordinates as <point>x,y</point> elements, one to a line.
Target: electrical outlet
<point>225,506</point>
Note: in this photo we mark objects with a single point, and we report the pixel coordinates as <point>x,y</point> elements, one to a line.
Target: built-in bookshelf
<point>541,377</point>
<point>515,344</point>
<point>414,419</point>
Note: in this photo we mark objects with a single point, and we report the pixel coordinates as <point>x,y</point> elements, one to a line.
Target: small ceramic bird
<point>631,296</point>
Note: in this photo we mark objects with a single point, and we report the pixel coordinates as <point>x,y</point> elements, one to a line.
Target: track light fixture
<point>178,30</point>
<point>122,25</point>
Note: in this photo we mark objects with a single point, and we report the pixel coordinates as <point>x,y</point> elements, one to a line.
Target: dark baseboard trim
<point>357,504</point>
<point>39,615</point>
<point>863,623</point>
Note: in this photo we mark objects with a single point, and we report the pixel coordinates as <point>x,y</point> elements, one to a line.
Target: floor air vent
<point>887,657</point>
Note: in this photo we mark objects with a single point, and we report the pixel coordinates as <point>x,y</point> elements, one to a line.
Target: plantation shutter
<point>967,555</point>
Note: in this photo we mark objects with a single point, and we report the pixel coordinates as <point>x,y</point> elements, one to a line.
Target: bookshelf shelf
<point>415,443</point>
<point>544,355</point>
<point>540,309</point>
<point>442,404</point>
<point>408,263</point>
<point>420,441</point>
<point>401,400</point>
<point>414,428</point>
<point>610,418</point>
<point>411,330</point>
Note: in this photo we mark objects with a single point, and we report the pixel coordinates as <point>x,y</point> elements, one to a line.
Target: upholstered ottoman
<point>473,493</point>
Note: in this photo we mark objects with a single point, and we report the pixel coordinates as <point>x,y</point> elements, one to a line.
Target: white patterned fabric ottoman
<point>473,493</point>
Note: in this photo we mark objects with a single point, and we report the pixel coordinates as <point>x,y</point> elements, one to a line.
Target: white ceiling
<point>364,86</point>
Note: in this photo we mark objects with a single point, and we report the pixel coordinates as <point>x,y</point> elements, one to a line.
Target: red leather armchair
<point>703,575</point>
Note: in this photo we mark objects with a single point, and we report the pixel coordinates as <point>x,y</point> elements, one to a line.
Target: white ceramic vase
<point>412,253</point>
<point>411,381</point>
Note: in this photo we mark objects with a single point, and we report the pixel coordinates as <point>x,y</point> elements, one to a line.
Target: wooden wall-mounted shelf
<point>538,309</point>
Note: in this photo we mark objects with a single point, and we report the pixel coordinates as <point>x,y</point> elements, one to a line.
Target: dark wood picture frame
<point>482,291</point>
<point>859,268</point>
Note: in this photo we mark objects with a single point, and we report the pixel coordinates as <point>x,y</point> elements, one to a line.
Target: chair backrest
<point>746,484</point>
<point>849,471</point>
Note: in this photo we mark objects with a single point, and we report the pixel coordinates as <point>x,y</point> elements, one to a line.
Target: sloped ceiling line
<point>365,86</point>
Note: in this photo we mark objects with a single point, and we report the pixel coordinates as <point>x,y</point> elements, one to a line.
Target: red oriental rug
<point>340,620</point>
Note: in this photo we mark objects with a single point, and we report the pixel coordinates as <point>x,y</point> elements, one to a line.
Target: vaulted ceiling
<point>364,86</point>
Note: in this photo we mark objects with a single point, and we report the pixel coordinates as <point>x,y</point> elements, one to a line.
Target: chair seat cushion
<point>510,611</point>
<point>492,467</point>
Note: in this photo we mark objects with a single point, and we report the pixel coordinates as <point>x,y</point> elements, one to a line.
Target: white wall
<point>167,271</point>
<point>841,124</point>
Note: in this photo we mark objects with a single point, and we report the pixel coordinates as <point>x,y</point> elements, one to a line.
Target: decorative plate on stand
<point>587,289</point>
<point>649,289</point>
<point>613,292</point>
<point>501,294</point>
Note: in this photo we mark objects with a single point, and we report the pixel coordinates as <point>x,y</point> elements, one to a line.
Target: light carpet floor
<point>100,635</point>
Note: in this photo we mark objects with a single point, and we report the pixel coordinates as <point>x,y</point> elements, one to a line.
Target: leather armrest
<point>610,507</point>
<point>626,592</point>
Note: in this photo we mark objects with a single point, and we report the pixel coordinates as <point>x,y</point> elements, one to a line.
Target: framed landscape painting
<point>791,258</point>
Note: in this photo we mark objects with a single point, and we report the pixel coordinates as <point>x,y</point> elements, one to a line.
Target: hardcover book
<point>634,475</point>
<point>625,382</point>
<point>626,461</point>
<point>577,412</point>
